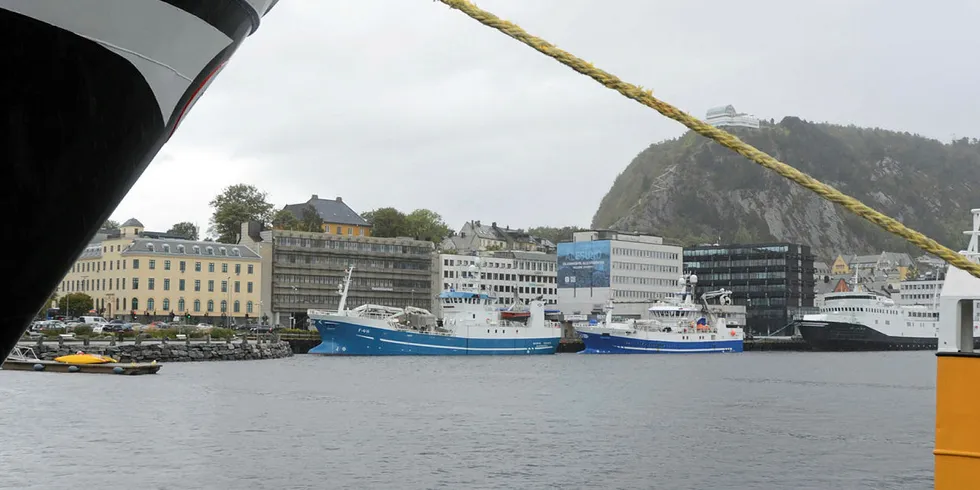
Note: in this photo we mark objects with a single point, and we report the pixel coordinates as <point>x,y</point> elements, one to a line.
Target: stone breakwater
<point>172,352</point>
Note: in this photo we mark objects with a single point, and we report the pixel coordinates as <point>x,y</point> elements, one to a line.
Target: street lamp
<point>228,305</point>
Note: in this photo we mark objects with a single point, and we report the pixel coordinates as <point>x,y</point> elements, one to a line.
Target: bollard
<point>112,341</point>
<point>207,339</point>
<point>85,341</point>
<point>61,342</point>
<point>138,339</point>
<point>187,341</point>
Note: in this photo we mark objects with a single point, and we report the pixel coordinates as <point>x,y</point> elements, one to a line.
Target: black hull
<point>837,336</point>
<point>79,125</point>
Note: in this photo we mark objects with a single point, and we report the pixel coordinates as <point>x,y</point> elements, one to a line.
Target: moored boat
<point>472,325</point>
<point>677,325</point>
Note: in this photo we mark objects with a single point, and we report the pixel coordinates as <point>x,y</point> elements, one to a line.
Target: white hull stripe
<point>449,347</point>
<point>654,349</point>
<point>168,46</point>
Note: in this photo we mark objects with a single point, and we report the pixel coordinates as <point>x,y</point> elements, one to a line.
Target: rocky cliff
<point>693,190</point>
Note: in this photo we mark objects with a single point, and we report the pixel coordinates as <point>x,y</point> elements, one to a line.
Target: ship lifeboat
<point>514,315</point>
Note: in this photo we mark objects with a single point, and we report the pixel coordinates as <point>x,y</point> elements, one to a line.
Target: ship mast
<point>342,289</point>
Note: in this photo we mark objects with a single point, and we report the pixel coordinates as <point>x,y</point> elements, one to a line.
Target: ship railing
<point>22,354</point>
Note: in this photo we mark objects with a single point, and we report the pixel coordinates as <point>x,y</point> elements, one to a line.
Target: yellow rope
<point>725,138</point>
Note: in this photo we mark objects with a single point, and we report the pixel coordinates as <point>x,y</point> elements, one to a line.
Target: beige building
<point>148,274</point>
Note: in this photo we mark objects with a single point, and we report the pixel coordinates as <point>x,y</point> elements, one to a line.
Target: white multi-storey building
<point>919,292</point>
<point>508,275</point>
<point>631,270</point>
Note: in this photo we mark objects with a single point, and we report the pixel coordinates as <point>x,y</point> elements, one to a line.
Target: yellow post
<point>957,450</point>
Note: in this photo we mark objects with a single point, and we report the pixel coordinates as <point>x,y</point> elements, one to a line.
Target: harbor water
<point>718,421</point>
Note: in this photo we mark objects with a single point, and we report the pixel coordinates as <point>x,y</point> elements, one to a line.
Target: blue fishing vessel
<point>676,325</point>
<point>471,325</point>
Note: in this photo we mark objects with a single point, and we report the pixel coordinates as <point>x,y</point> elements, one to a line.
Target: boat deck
<point>131,369</point>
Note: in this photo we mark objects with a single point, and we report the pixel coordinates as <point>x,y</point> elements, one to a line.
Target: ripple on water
<point>751,421</point>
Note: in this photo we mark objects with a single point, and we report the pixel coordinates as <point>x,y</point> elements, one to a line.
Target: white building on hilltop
<point>631,270</point>
<point>728,116</point>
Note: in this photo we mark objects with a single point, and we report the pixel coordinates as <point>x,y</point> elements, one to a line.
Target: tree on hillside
<point>235,205</point>
<point>556,235</point>
<point>310,219</point>
<point>284,220</point>
<point>110,224</point>
<point>421,224</point>
<point>74,304</point>
<point>424,224</point>
<point>386,222</point>
<point>185,229</point>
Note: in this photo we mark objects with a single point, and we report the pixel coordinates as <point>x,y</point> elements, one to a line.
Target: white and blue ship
<point>471,325</point>
<point>677,325</point>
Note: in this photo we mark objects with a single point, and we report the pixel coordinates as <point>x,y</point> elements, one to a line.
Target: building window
<point>236,306</point>
<point>166,265</point>
<point>166,304</point>
<point>197,306</point>
<point>249,268</point>
<point>248,307</point>
<point>180,285</point>
<point>210,266</point>
<point>136,284</point>
<point>197,284</point>
<point>136,263</point>
<point>224,286</point>
<point>211,285</point>
<point>135,304</point>
<point>238,286</point>
<point>149,283</point>
<point>166,284</point>
<point>197,267</point>
<point>180,305</point>
<point>153,264</point>
<point>183,266</point>
<point>249,287</point>
<point>211,305</point>
<point>340,230</point>
<point>224,268</point>
<point>149,304</point>
<point>350,231</point>
<point>224,306</point>
<point>238,268</point>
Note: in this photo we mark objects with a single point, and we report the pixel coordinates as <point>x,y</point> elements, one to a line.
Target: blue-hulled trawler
<point>471,325</point>
<point>677,325</point>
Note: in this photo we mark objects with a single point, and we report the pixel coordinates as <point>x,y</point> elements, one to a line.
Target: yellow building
<point>840,267</point>
<point>338,218</point>
<point>135,272</point>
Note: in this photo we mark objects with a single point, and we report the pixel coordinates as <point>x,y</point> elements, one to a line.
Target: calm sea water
<point>747,421</point>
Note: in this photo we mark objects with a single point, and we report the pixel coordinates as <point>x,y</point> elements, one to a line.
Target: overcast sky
<point>410,104</point>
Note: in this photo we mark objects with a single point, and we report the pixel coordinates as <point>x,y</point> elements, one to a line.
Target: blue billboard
<point>583,264</point>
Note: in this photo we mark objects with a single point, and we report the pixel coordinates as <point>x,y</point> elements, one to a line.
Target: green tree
<point>74,304</point>
<point>310,219</point>
<point>110,224</point>
<point>556,235</point>
<point>235,205</point>
<point>386,222</point>
<point>425,224</point>
<point>284,220</point>
<point>185,229</point>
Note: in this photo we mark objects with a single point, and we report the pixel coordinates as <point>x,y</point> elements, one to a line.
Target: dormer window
<point>197,249</point>
<point>210,250</point>
<point>180,249</point>
<point>223,251</point>
<point>166,247</point>
<point>236,252</point>
<point>149,246</point>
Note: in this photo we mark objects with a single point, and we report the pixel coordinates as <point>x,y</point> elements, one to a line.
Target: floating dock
<point>24,359</point>
<point>131,369</point>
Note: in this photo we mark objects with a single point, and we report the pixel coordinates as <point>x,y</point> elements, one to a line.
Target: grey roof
<point>188,248</point>
<point>330,211</point>
<point>132,222</point>
<point>93,250</point>
<point>519,254</point>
